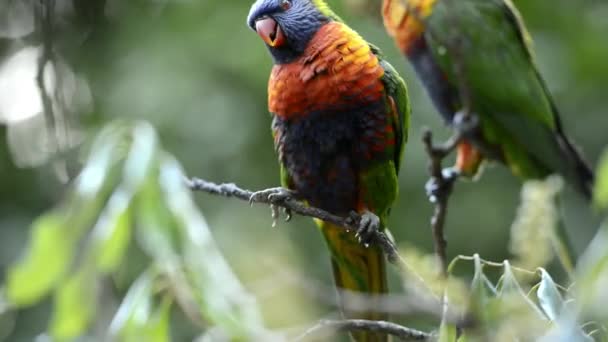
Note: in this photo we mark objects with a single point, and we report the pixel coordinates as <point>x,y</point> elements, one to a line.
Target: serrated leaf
<point>49,255</point>
<point>509,286</point>
<point>549,297</point>
<point>74,305</point>
<point>481,288</point>
<point>600,192</point>
<point>508,282</point>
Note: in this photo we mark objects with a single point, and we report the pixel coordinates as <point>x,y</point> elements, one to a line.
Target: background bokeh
<point>198,74</point>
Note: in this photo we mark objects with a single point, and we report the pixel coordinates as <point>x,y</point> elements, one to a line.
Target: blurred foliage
<point>601,189</point>
<point>130,189</point>
<point>125,252</point>
<point>535,222</point>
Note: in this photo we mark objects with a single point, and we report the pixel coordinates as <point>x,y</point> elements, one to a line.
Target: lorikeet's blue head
<point>286,26</point>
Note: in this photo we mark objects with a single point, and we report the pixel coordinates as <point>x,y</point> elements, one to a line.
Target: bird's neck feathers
<point>404,20</point>
<point>324,8</point>
<point>338,71</point>
<point>301,30</point>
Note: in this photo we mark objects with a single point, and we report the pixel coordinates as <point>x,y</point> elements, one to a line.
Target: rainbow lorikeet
<point>340,118</point>
<point>480,49</point>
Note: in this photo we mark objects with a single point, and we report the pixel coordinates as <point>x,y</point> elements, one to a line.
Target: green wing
<point>396,90</point>
<point>511,99</point>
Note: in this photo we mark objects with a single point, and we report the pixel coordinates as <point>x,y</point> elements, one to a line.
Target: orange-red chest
<point>338,71</point>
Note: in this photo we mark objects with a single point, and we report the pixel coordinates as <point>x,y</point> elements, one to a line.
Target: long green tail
<point>357,269</point>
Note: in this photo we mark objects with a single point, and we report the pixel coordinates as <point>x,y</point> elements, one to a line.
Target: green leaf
<point>49,256</point>
<point>74,304</point>
<point>593,275</point>
<point>112,232</point>
<point>508,283</point>
<point>481,288</point>
<point>224,300</point>
<point>135,307</point>
<point>509,287</point>
<point>137,318</point>
<point>155,329</point>
<point>113,229</point>
<point>549,297</point>
<point>600,193</point>
<point>55,234</point>
<point>447,332</point>
<point>142,157</point>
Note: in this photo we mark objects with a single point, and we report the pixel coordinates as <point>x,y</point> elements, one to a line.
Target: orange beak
<point>270,32</point>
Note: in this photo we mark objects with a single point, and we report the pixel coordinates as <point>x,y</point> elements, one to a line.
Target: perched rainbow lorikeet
<point>340,120</point>
<point>517,121</point>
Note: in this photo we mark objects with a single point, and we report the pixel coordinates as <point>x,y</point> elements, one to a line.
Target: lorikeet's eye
<point>285,4</point>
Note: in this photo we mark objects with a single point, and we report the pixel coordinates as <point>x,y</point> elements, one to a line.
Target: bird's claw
<point>272,196</point>
<point>276,197</point>
<point>288,214</point>
<point>369,226</point>
<point>437,188</point>
<point>466,123</point>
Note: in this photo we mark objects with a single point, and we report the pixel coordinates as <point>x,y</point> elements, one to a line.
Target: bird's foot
<point>441,188</point>
<point>276,198</point>
<point>369,226</point>
<point>465,123</point>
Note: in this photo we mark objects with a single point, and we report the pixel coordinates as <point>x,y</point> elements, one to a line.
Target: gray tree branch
<point>327,327</point>
<point>348,223</point>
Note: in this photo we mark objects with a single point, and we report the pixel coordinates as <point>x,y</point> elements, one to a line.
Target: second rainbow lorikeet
<point>518,123</point>
<point>340,119</point>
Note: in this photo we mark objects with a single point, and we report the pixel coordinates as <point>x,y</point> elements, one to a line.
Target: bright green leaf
<point>137,318</point>
<point>593,277</point>
<point>112,232</point>
<point>156,329</point>
<point>74,304</point>
<point>600,194</point>
<point>550,299</point>
<point>224,301</point>
<point>142,156</point>
<point>447,332</point>
<point>135,307</point>
<point>49,256</point>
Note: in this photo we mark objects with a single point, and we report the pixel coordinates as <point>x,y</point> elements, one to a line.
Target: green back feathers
<point>513,15</point>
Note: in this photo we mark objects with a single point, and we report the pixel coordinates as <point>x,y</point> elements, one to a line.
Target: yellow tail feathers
<point>359,270</point>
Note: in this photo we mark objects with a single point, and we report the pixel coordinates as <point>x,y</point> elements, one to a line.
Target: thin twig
<point>44,10</point>
<point>433,305</point>
<point>436,154</point>
<point>292,205</point>
<point>326,327</point>
<point>393,304</point>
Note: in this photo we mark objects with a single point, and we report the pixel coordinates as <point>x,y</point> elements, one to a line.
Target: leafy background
<point>198,74</point>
